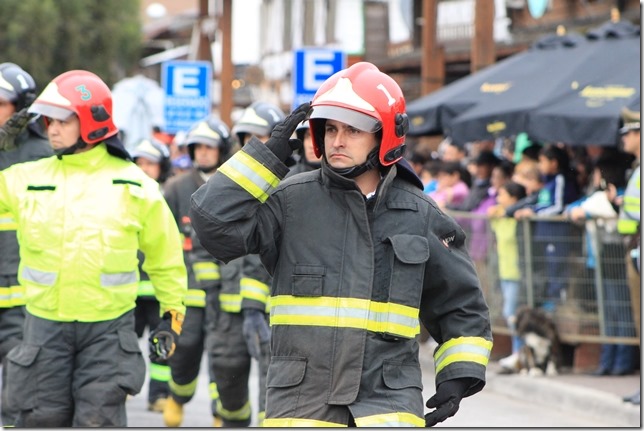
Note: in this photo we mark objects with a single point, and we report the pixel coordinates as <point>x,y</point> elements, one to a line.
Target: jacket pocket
<point>401,375</point>
<point>411,252</point>
<point>132,366</point>
<point>308,280</point>
<point>285,371</point>
<point>23,383</point>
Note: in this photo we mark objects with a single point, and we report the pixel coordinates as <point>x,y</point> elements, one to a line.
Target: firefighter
<point>240,331</point>
<point>153,157</point>
<point>23,141</point>
<point>82,215</point>
<point>307,160</point>
<point>357,253</point>
<point>209,143</point>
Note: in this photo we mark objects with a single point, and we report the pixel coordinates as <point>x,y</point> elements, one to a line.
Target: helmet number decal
<point>23,81</point>
<point>384,90</point>
<point>85,93</point>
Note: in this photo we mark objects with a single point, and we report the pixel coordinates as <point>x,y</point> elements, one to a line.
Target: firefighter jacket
<point>81,219</point>
<point>203,269</point>
<point>351,277</point>
<point>30,145</point>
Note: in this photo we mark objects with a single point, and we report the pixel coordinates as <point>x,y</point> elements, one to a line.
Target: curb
<point>589,402</point>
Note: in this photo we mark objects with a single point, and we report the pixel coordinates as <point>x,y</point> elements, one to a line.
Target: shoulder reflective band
<point>397,419</point>
<point>381,317</point>
<point>206,271</point>
<point>7,222</point>
<point>195,298</point>
<point>254,289</point>
<point>230,302</point>
<point>463,349</point>
<point>250,175</point>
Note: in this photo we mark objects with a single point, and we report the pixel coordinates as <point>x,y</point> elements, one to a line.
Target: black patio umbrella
<point>435,112</point>
<point>587,111</point>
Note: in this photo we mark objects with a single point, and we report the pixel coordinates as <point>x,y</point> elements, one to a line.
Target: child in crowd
<point>505,231</point>
<point>451,186</point>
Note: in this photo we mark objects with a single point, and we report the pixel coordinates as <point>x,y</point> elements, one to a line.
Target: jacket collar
<point>88,160</point>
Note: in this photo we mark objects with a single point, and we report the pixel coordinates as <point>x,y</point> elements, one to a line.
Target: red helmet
<point>82,93</point>
<point>366,99</point>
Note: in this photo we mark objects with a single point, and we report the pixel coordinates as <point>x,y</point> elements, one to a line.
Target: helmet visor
<point>51,111</point>
<point>353,118</point>
<point>628,127</point>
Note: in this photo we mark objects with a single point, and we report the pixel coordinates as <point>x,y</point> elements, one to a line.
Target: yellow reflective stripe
<point>381,317</point>
<point>250,175</point>
<point>206,271</point>
<point>397,419</point>
<point>7,222</point>
<point>160,373</point>
<point>254,289</point>
<point>463,349</point>
<point>12,296</point>
<point>627,226</point>
<point>260,418</point>
<point>234,415</point>
<point>299,423</point>
<point>230,302</point>
<point>195,298</point>
<point>186,390</point>
<point>145,288</point>
<point>213,391</point>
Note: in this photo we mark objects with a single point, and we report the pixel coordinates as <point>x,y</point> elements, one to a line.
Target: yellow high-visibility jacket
<point>81,219</point>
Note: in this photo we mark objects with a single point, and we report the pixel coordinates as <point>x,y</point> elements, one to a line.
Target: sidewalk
<point>595,396</point>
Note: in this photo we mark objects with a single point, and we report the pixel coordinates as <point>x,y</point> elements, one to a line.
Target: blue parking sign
<point>311,67</point>
<point>187,88</point>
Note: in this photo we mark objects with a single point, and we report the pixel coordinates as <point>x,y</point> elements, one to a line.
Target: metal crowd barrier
<point>590,295</point>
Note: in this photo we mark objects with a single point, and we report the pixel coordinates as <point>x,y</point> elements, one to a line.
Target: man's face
<point>152,169</point>
<point>345,146</point>
<point>452,153</point>
<point>205,156</point>
<point>309,153</point>
<point>6,111</point>
<point>63,133</point>
<point>631,141</point>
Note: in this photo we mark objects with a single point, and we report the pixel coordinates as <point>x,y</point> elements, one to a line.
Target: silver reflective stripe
<point>45,278</point>
<point>118,279</point>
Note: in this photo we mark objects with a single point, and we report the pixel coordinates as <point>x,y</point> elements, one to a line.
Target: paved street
<point>486,409</point>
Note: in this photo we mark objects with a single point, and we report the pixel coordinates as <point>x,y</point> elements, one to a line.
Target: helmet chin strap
<point>79,145</point>
<point>355,171</point>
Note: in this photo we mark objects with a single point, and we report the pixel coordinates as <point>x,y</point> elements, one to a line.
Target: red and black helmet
<point>82,93</point>
<point>366,99</point>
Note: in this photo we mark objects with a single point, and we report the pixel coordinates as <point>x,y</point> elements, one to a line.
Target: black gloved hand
<point>280,142</point>
<point>13,127</point>
<point>163,339</point>
<point>256,331</point>
<point>446,400</point>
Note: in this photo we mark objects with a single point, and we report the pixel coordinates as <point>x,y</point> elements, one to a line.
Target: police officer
<point>628,223</point>
<point>153,157</point>
<point>241,330</point>
<point>378,254</point>
<point>21,143</point>
<point>209,143</point>
<point>82,216</point>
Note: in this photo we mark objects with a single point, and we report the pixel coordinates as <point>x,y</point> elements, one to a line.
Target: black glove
<point>280,142</point>
<point>163,339</point>
<point>13,127</point>
<point>256,331</point>
<point>446,400</point>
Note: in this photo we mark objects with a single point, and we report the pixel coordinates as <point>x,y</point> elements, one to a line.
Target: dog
<point>541,354</point>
